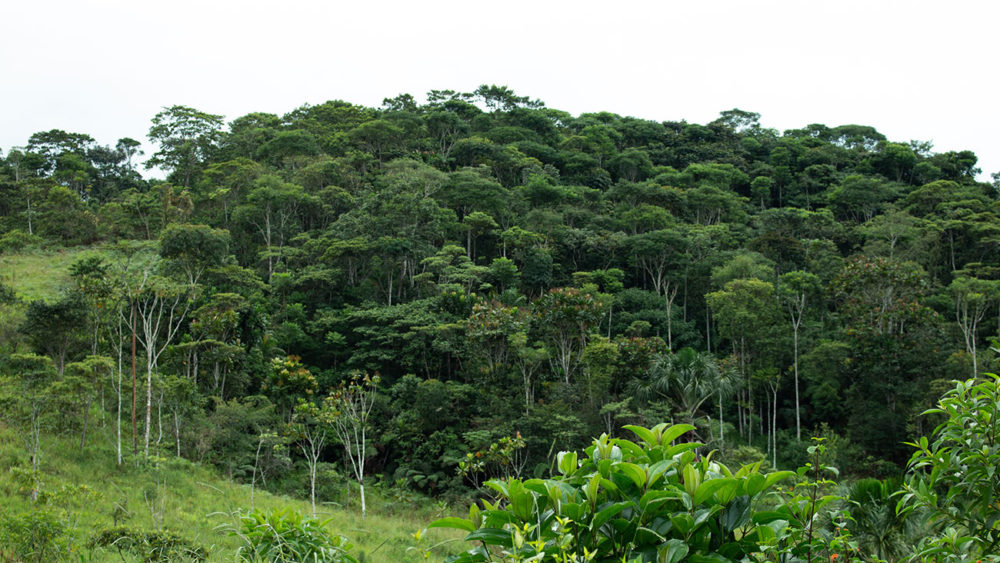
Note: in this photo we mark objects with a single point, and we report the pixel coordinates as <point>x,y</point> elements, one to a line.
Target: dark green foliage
<point>505,268</point>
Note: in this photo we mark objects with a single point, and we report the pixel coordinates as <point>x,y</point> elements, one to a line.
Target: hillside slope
<point>88,492</point>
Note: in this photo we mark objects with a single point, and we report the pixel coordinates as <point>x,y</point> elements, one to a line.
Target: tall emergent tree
<point>187,137</point>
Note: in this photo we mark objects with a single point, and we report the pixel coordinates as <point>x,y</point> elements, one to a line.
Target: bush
<point>34,535</point>
<point>626,501</point>
<point>17,240</point>
<point>153,546</point>
<point>282,536</point>
<point>960,461</point>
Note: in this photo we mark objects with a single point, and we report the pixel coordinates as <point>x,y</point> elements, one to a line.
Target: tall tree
<point>794,290</point>
<point>351,406</point>
<point>158,309</point>
<point>973,298</point>
<point>187,137</point>
<point>565,317</point>
<point>655,253</point>
<point>55,328</point>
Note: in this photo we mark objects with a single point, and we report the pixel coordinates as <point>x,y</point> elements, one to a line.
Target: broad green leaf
<point>708,488</point>
<point>477,554</point>
<point>776,476</point>
<point>634,472</point>
<point>644,433</point>
<point>630,450</point>
<point>492,536</point>
<point>567,463</point>
<point>754,484</point>
<point>683,522</point>
<point>453,522</point>
<point>674,432</point>
<point>737,514</point>
<point>608,513</point>
<point>672,551</point>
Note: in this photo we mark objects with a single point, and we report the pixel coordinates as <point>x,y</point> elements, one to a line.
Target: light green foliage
<point>286,536</point>
<point>34,536</point>
<point>501,460</point>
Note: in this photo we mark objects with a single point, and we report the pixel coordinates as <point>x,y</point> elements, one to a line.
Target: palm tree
<point>685,379</point>
<point>880,531</point>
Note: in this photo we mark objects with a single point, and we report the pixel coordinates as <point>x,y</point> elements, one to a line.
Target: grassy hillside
<point>40,274</point>
<point>87,491</point>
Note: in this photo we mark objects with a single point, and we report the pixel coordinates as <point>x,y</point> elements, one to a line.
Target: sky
<point>915,70</point>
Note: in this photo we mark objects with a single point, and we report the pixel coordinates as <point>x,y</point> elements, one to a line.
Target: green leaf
<point>672,551</point>
<point>708,488</point>
<point>773,478</point>
<point>709,558</point>
<point>737,514</point>
<point>492,536</point>
<point>607,514</point>
<point>477,554</point>
<point>674,432</point>
<point>567,463</point>
<point>592,489</point>
<point>634,472</point>
<point>683,522</point>
<point>754,484</point>
<point>692,479</point>
<point>643,433</point>
<point>453,522</point>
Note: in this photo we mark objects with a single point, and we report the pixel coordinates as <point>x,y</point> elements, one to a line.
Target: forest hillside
<point>423,296</point>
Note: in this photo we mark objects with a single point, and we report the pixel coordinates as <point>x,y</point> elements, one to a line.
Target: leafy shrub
<point>626,501</point>
<point>287,536</point>
<point>17,240</point>
<point>955,474</point>
<point>33,535</point>
<point>152,546</point>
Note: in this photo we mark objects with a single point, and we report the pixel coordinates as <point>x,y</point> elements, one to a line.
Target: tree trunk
<point>798,418</point>
<point>363,507</point>
<point>774,430</point>
<point>177,433</point>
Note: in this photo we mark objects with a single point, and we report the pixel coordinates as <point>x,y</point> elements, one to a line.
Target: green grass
<point>40,274</point>
<point>184,497</point>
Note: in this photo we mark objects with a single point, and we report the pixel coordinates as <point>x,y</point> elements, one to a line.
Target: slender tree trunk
<point>312,484</point>
<point>118,422</point>
<point>774,430</point>
<point>708,331</point>
<point>149,403</point>
<point>86,419</point>
<point>135,433</point>
<point>30,230</point>
<point>798,416</point>
<point>177,433</point>
<point>722,425</point>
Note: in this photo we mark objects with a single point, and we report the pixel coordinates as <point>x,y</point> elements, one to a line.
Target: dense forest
<point>429,295</point>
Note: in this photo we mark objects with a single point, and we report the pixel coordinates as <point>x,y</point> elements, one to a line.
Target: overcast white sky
<point>924,70</point>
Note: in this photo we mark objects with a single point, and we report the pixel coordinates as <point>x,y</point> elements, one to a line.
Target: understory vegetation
<point>422,304</point>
